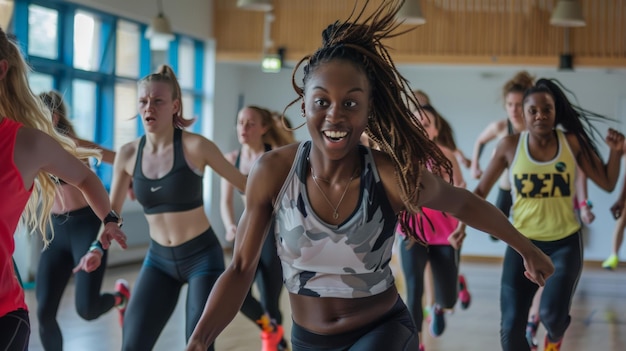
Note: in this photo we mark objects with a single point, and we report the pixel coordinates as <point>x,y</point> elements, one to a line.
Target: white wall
<point>469,97</point>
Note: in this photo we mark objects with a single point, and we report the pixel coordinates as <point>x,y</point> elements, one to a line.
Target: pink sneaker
<point>271,340</point>
<point>123,289</point>
<point>464,294</point>
<point>422,347</point>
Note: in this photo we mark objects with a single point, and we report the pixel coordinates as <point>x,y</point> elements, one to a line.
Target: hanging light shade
<point>568,13</point>
<point>411,13</point>
<point>160,32</point>
<point>6,12</point>
<point>255,5</point>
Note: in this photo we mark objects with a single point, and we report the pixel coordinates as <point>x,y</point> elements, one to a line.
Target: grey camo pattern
<point>349,260</point>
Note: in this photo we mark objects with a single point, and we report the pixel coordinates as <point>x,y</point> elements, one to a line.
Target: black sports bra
<point>179,190</point>
<point>268,147</point>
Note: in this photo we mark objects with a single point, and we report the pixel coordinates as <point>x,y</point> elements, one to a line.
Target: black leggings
<point>269,281</point>
<point>444,263</point>
<point>14,331</point>
<point>198,262</point>
<point>504,201</point>
<point>394,331</point>
<point>73,234</point>
<point>517,292</point>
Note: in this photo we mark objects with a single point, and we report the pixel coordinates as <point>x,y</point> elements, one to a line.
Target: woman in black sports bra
<point>166,167</point>
<point>257,133</point>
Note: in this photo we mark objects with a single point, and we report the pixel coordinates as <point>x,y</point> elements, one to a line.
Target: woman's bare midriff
<point>175,228</point>
<point>330,315</point>
<point>67,199</point>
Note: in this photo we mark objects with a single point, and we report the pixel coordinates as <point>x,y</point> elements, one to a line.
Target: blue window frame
<point>51,44</point>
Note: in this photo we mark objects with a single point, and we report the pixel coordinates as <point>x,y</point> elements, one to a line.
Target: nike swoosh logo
<point>155,189</point>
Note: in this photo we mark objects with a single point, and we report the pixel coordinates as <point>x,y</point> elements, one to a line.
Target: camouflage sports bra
<point>348,260</point>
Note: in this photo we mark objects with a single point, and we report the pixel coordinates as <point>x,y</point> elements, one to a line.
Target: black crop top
<point>179,190</point>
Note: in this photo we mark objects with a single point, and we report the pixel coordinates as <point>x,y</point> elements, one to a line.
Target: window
<point>40,83</point>
<point>186,64</point>
<point>127,52</point>
<point>43,32</point>
<point>125,114</point>
<point>95,59</point>
<point>87,33</point>
<point>83,108</point>
<point>188,108</point>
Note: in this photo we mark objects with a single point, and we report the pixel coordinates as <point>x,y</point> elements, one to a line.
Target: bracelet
<point>586,203</point>
<point>96,246</point>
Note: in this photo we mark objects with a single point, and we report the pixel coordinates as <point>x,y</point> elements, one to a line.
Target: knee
<point>86,312</point>
<point>45,315</point>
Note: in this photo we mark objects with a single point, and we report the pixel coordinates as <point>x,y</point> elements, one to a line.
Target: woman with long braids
<point>30,152</point>
<point>334,202</point>
<point>542,168</point>
<point>76,228</point>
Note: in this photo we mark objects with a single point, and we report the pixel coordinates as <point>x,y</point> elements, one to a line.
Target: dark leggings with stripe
<point>14,331</point>
<point>73,234</point>
<point>197,263</point>
<point>517,292</point>
<point>394,331</point>
<point>269,281</point>
<point>444,263</point>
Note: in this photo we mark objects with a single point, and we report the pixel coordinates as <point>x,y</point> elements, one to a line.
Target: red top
<point>13,199</point>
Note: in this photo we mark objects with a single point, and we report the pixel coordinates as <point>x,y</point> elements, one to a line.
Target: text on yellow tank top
<point>543,192</point>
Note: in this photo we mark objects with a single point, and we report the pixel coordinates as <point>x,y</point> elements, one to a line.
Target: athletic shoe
<point>611,262</point>
<point>437,321</point>
<point>552,346</point>
<point>464,294</point>
<point>123,290</point>
<point>270,341</point>
<point>422,347</point>
<point>531,333</point>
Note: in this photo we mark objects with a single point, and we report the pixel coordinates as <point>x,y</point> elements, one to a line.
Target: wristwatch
<point>113,217</point>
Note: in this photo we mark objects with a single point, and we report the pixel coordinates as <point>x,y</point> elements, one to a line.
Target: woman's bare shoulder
<point>270,171</point>
<point>281,158</point>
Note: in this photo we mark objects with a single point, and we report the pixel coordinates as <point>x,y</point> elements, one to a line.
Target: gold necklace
<point>335,208</point>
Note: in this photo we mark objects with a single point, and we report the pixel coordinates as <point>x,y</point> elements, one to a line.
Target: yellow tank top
<point>543,192</point>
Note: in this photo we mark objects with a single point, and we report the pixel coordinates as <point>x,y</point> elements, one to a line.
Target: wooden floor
<point>598,318</point>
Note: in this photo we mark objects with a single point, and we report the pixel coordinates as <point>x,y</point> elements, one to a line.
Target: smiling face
<point>156,106</point>
<point>336,99</point>
<point>539,113</point>
<point>250,128</point>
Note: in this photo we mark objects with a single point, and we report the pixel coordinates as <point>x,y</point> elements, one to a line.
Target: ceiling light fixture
<point>567,14</point>
<point>160,31</point>
<point>255,5</point>
<point>411,13</point>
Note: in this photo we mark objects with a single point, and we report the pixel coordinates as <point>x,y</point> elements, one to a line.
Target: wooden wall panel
<point>456,32</point>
